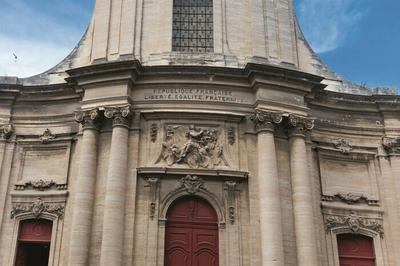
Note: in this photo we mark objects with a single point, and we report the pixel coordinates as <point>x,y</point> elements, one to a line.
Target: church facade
<point>197,133</point>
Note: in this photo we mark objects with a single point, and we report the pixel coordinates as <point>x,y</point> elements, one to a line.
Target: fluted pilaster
<point>269,198</point>
<point>81,226</point>
<point>114,204</point>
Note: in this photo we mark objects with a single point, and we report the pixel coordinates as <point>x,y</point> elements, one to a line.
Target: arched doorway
<point>191,235</point>
<point>356,250</point>
<point>34,240</point>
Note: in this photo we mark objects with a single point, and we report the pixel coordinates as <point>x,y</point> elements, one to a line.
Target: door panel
<point>191,234</point>
<point>356,250</point>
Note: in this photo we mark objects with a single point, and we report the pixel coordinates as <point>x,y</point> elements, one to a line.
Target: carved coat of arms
<point>193,146</point>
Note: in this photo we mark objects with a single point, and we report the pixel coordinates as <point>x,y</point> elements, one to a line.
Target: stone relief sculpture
<point>47,136</point>
<point>6,131</point>
<point>354,222</point>
<point>192,184</point>
<point>342,145</point>
<point>37,209</point>
<point>192,146</point>
<point>37,184</point>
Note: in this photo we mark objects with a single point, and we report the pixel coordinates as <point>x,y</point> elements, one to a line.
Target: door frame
<point>55,242</point>
<point>333,245</point>
<point>215,204</point>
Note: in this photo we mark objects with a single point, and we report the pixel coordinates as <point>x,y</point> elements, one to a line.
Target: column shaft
<point>307,254</point>
<point>114,205</point>
<point>269,196</point>
<point>84,200</point>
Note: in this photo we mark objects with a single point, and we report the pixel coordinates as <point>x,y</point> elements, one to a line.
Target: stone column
<point>391,172</point>
<point>81,225</point>
<point>302,191</point>
<point>268,183</point>
<point>114,203</point>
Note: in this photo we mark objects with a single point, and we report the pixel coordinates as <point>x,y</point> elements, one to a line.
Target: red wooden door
<point>356,250</point>
<point>34,243</point>
<point>191,237</point>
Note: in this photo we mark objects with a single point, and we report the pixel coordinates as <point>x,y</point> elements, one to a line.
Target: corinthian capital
<point>119,115</point>
<point>6,131</point>
<point>298,126</point>
<point>90,119</point>
<point>266,120</point>
<point>391,145</point>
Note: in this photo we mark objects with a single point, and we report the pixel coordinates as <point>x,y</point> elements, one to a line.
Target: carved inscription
<point>192,94</point>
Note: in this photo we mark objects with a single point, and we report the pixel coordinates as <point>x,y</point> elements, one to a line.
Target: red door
<point>34,243</point>
<point>191,236</point>
<point>356,250</point>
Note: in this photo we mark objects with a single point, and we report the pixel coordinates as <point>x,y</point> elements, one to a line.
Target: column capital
<point>119,115</point>
<point>6,131</point>
<point>89,119</point>
<point>391,145</point>
<point>265,121</point>
<point>298,126</point>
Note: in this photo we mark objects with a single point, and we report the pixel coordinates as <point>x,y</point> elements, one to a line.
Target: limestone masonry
<point>197,133</point>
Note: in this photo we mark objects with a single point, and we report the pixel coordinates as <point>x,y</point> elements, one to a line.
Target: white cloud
<point>327,24</point>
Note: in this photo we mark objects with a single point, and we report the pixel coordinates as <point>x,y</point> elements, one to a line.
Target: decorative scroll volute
<point>90,119</point>
<point>120,115</point>
<point>391,145</point>
<point>153,184</point>
<point>231,188</point>
<point>298,126</point>
<point>266,120</point>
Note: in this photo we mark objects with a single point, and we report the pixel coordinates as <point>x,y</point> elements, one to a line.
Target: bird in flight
<point>15,57</point>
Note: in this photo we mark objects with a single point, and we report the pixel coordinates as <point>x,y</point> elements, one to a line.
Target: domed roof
<point>245,31</point>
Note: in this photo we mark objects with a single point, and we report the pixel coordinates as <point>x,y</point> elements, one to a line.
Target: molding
<point>153,184</point>
<point>351,198</point>
<point>199,172</point>
<point>353,222</point>
<point>231,188</point>
<point>37,209</point>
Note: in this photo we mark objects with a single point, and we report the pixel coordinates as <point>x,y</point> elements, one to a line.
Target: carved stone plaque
<point>193,146</point>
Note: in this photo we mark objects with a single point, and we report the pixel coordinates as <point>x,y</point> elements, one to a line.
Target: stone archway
<point>191,234</point>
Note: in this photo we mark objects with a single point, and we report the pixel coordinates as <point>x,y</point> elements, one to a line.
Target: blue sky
<point>358,39</point>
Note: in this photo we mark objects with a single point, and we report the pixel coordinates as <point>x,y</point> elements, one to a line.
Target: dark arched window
<point>193,26</point>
